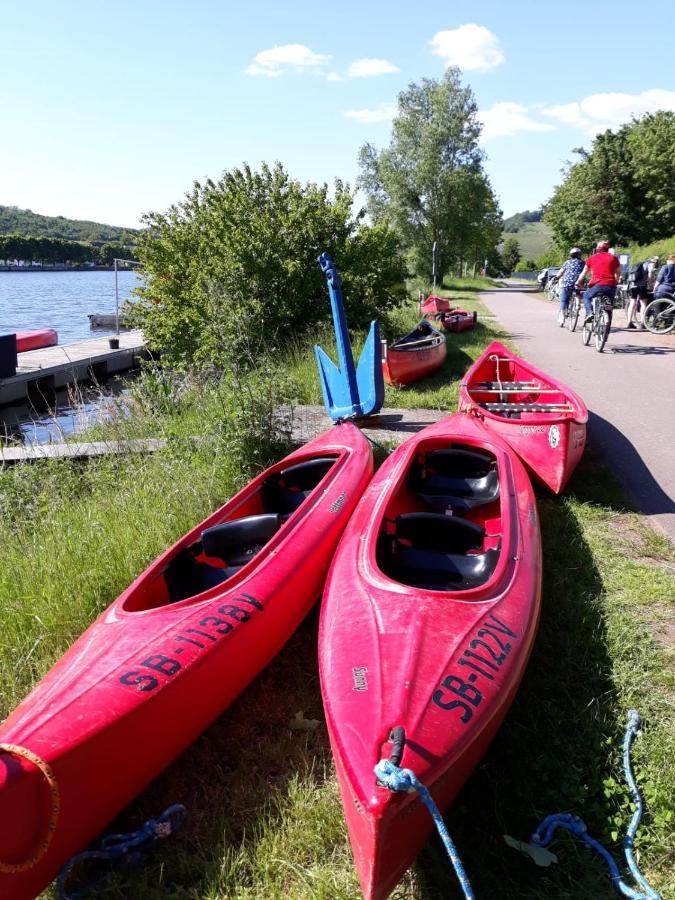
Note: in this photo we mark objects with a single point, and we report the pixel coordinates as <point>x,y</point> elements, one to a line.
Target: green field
<point>264,816</point>
<point>534,239</point>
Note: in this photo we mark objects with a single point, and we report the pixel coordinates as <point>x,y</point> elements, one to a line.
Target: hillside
<point>26,223</point>
<point>534,238</point>
<point>517,220</point>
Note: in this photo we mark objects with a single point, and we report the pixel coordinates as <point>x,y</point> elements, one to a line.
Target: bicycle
<point>553,289</point>
<point>570,316</point>
<point>659,315</point>
<point>598,324</point>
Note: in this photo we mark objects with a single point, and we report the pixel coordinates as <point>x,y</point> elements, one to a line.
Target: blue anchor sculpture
<point>349,393</point>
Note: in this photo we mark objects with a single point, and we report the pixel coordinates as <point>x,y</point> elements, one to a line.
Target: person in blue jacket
<point>664,285</point>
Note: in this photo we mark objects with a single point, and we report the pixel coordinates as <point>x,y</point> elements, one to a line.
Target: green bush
<point>526,265</point>
<point>232,270</point>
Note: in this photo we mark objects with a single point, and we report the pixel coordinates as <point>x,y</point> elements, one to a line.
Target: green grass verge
<point>264,816</point>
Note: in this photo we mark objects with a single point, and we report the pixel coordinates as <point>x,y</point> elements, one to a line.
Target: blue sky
<point>111,110</point>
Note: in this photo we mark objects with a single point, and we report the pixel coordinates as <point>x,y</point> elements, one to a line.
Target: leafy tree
<point>526,265</point>
<point>651,143</point>
<point>511,253</point>
<point>429,182</point>
<point>232,269</point>
<point>515,222</point>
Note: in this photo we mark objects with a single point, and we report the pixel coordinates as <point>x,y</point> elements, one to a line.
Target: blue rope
<point>397,779</point>
<point>544,833</point>
<point>121,847</point>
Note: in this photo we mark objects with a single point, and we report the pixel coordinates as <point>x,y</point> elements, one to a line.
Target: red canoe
<point>35,340</point>
<point>428,619</point>
<point>412,357</point>
<point>159,665</point>
<point>455,320</point>
<point>433,304</point>
<point>542,419</point>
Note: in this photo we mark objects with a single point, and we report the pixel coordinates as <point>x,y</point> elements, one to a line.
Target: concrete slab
<point>629,390</point>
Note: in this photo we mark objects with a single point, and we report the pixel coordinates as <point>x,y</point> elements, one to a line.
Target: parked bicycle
<point>570,316</point>
<point>598,324</point>
<point>553,289</point>
<point>659,315</point>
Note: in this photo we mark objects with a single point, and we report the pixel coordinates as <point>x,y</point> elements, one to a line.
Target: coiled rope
<point>126,848</point>
<point>47,834</point>
<point>397,779</point>
<point>546,830</point>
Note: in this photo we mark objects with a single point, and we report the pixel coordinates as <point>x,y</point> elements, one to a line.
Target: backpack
<point>637,277</point>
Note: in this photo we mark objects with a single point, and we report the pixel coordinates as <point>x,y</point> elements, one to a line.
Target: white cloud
<point>598,112</point>
<point>382,113</point>
<point>504,119</point>
<point>333,76</point>
<point>471,47</point>
<point>365,68</point>
<point>277,60</point>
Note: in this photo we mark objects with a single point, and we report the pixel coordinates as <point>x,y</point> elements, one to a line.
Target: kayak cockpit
<point>226,546</point>
<point>442,529</point>
<point>505,387</point>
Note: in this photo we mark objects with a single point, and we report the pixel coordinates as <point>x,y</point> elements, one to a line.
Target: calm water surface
<point>60,300</point>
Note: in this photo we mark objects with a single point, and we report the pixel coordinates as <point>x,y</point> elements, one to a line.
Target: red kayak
<point>35,340</point>
<point>541,418</point>
<point>428,619</point>
<point>160,664</point>
<point>412,357</point>
<point>433,304</point>
<point>456,320</point>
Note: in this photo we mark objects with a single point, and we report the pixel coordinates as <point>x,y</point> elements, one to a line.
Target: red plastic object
<point>419,353</point>
<point>456,320</point>
<point>441,660</point>
<point>35,340</point>
<point>150,675</point>
<point>540,417</point>
<point>433,304</point>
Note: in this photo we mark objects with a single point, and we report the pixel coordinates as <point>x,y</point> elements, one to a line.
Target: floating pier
<point>40,373</point>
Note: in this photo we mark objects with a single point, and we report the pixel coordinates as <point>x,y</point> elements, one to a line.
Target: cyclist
<point>604,269</point>
<point>665,282</point>
<point>568,275</point>
<point>643,278</point>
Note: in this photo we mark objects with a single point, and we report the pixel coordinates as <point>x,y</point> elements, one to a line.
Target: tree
<point>651,143</point>
<point>429,182</point>
<point>511,253</point>
<point>232,269</point>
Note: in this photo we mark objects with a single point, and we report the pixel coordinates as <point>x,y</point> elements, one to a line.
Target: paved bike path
<point>629,390</point>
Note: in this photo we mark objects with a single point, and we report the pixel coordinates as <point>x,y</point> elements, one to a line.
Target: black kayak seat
<point>283,492</point>
<point>235,542</point>
<point>431,550</point>
<point>455,478</point>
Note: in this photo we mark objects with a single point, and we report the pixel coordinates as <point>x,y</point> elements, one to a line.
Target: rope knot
<point>396,778</point>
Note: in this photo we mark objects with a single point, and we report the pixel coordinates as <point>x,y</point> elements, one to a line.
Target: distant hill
<point>517,220</point>
<point>533,235</point>
<point>29,224</point>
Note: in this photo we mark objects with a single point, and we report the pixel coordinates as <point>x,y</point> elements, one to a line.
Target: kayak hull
<point>443,663</point>
<point>36,340</point>
<point>433,304</point>
<point>149,676</point>
<point>414,356</point>
<point>544,422</point>
<point>457,320</point>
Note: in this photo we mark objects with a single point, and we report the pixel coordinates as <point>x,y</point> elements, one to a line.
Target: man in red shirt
<point>605,269</point>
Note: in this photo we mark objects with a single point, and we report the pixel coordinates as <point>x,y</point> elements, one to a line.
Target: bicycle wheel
<point>659,316</point>
<point>573,315</point>
<point>587,330</point>
<point>602,332</point>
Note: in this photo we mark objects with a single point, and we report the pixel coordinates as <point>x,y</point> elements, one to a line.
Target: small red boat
<point>35,340</point>
<point>433,304</point>
<point>412,357</point>
<point>160,664</point>
<point>541,418</point>
<point>456,320</point>
<point>429,615</point>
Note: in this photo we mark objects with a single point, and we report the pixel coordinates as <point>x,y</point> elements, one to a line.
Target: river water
<point>60,300</point>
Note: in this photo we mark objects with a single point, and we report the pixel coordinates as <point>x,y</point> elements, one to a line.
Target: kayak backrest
<point>455,478</point>
<point>436,552</point>
<point>240,538</point>
<point>283,492</point>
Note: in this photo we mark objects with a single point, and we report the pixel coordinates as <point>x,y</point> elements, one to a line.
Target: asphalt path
<point>629,389</point>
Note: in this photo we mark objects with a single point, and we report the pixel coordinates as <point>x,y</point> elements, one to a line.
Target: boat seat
<point>432,551</point>
<point>234,542</point>
<point>526,407</point>
<point>455,478</point>
<point>284,491</point>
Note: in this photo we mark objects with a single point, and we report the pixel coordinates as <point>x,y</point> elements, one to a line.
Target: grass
<point>534,239</point>
<point>264,816</point>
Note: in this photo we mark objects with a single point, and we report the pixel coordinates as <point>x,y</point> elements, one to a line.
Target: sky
<point>110,111</point>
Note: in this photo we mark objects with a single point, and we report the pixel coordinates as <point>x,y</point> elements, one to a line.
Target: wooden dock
<point>40,373</point>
